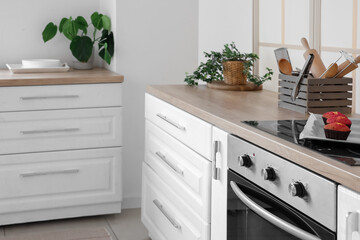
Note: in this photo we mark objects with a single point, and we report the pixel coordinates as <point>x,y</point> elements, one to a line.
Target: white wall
<point>22,23</point>
<point>156,44</point>
<point>224,21</point>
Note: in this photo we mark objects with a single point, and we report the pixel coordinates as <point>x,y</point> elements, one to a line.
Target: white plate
<point>19,68</point>
<point>314,129</point>
<point>41,63</point>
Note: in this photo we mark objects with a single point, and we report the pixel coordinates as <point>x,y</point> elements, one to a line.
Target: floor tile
<point>54,225</point>
<point>127,225</point>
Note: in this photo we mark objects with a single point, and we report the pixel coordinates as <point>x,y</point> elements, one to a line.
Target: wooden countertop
<point>96,75</point>
<point>226,110</point>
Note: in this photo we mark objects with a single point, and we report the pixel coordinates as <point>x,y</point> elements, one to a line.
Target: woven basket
<point>233,72</point>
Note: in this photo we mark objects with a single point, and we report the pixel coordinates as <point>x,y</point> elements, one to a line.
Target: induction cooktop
<point>290,130</point>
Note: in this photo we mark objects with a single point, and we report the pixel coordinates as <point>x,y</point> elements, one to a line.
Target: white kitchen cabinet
<point>348,214</point>
<point>176,196</point>
<point>219,185</point>
<point>60,151</point>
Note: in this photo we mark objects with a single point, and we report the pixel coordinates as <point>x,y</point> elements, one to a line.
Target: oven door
<point>254,214</point>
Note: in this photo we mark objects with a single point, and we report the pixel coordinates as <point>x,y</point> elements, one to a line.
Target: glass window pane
<point>336,23</point>
<point>296,21</point>
<point>270,21</point>
<point>330,57</point>
<point>267,59</point>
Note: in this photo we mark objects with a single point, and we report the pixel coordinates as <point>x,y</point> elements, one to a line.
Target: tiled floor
<point>124,226</point>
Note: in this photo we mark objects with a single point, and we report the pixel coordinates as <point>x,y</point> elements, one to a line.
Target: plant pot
<point>83,65</point>
<point>233,73</point>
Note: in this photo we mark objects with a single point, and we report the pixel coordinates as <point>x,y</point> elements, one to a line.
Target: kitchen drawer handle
<point>34,174</point>
<point>268,216</point>
<point>352,224</point>
<point>166,214</point>
<point>170,164</point>
<point>172,122</point>
<point>49,97</point>
<point>50,131</point>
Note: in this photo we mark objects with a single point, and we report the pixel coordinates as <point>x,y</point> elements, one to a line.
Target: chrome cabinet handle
<point>50,131</point>
<point>172,122</point>
<point>166,214</point>
<point>34,174</point>
<point>170,164</point>
<point>49,97</point>
<point>287,227</point>
<point>352,224</point>
<point>215,170</point>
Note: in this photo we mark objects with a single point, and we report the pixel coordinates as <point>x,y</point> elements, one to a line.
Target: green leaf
<point>81,48</point>
<point>82,24</point>
<point>70,29</point>
<point>96,20</point>
<point>49,32</point>
<point>106,22</point>
<point>62,22</point>
<point>106,46</point>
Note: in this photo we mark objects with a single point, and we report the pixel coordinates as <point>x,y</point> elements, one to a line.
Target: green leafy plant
<point>81,45</point>
<point>212,69</point>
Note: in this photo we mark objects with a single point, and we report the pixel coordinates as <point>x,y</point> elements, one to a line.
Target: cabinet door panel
<point>348,214</point>
<point>219,187</point>
<point>35,131</point>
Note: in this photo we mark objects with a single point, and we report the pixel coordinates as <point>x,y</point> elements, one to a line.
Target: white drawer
<point>36,131</point>
<point>60,97</point>
<point>192,131</point>
<point>165,215</point>
<point>59,179</point>
<point>185,171</point>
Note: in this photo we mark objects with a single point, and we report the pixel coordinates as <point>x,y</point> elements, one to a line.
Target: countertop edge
<point>96,75</point>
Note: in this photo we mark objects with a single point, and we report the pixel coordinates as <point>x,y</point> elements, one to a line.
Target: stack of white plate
<point>38,66</point>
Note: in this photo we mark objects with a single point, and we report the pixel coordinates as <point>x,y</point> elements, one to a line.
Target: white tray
<point>18,68</point>
<point>314,129</point>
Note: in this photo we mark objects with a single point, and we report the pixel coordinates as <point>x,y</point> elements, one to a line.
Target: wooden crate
<point>316,95</point>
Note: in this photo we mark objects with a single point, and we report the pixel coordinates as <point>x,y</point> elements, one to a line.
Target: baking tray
<point>314,129</point>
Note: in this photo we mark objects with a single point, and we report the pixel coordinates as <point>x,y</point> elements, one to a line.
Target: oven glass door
<point>254,214</point>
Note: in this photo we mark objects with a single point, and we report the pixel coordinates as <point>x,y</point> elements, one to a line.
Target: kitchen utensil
<point>318,66</point>
<point>282,53</point>
<point>348,66</point>
<point>330,71</point>
<point>304,72</point>
<point>285,66</point>
<point>333,68</point>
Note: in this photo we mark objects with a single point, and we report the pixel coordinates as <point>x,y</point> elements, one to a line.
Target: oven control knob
<point>245,161</point>
<point>268,173</point>
<point>297,189</point>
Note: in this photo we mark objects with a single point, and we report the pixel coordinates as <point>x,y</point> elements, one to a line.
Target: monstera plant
<point>81,44</point>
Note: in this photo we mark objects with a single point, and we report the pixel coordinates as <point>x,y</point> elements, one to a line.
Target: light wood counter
<point>97,75</point>
<point>226,110</point>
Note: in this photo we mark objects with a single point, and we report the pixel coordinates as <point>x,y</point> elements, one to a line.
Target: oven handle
<point>289,228</point>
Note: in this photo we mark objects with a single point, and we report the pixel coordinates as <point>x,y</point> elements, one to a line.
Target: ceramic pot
<point>83,65</point>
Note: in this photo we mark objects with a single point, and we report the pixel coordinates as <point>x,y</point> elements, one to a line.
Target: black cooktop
<point>290,131</point>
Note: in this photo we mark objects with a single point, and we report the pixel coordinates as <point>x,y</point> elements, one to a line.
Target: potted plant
<point>81,45</point>
<point>230,66</point>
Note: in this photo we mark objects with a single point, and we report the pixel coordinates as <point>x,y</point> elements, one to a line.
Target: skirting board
<point>59,213</point>
<point>134,202</point>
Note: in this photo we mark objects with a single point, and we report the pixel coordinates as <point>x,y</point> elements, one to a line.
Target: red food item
<point>337,131</point>
<point>327,115</point>
<point>339,119</point>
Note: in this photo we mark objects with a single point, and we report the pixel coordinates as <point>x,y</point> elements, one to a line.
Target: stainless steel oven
<point>272,198</point>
